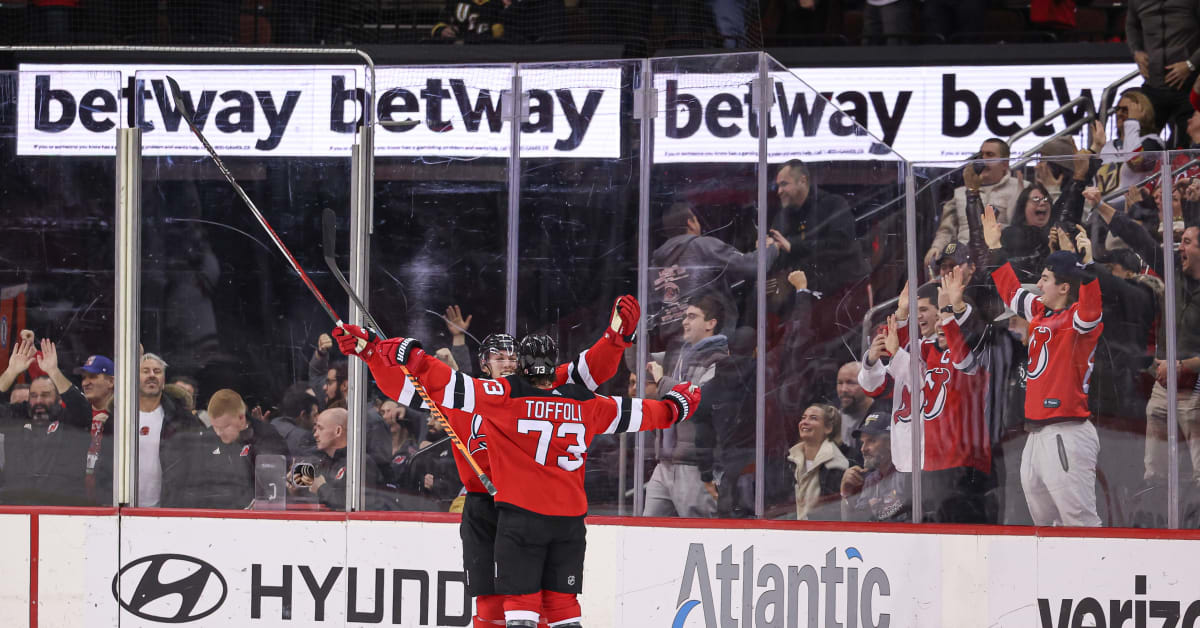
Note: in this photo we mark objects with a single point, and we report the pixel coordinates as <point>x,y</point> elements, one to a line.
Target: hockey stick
<point>186,114</point>
<point>329,244</point>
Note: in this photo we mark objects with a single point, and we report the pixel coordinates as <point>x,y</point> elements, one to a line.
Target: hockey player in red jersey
<point>498,358</point>
<point>1058,465</point>
<point>538,439</point>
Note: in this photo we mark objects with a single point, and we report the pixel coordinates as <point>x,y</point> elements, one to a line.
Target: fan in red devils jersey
<point>538,436</point>
<point>1058,465</point>
<point>497,358</point>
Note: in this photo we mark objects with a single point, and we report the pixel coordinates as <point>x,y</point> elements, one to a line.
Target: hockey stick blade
<point>329,246</point>
<point>181,106</point>
<point>329,249</point>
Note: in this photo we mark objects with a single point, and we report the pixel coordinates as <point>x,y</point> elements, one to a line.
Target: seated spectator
<point>1127,159</point>
<point>876,491</point>
<point>19,393</point>
<point>855,405</point>
<point>160,419</point>
<point>329,484</point>
<point>333,380</point>
<point>297,412</point>
<point>996,187</point>
<point>818,463</point>
<point>395,417</point>
<point>430,472</point>
<point>97,373</point>
<point>45,437</point>
<point>690,264</point>
<point>215,468</point>
<point>512,21</point>
<point>190,386</point>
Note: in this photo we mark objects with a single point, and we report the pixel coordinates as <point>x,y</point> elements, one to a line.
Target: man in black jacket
<point>1164,36</point>
<point>215,468</point>
<point>45,438</point>
<point>816,234</point>
<point>329,484</point>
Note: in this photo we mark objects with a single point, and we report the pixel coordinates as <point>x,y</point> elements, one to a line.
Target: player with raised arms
<point>497,358</point>
<point>538,435</point>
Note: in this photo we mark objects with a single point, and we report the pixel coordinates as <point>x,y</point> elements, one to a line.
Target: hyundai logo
<point>169,588</point>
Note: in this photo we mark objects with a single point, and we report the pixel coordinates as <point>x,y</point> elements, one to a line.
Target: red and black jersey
<point>589,369</point>
<point>537,438</point>
<point>1062,348</point>
<point>953,399</point>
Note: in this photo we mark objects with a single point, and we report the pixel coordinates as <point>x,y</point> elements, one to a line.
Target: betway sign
<point>291,111</point>
<point>921,113</point>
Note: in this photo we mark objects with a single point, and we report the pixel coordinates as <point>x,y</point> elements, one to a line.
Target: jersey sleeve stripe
<point>623,411</point>
<point>635,415</point>
<point>580,373</point>
<point>1021,304</point>
<point>468,393</point>
<point>409,397</point>
<point>1083,326</point>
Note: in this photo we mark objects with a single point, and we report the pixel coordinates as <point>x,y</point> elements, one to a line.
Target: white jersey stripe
<point>581,368</point>
<point>635,416</point>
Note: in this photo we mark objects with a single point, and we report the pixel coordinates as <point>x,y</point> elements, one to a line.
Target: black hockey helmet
<point>536,356</point>
<point>496,343</point>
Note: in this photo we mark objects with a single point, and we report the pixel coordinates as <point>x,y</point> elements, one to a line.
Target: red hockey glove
<point>355,340</point>
<point>400,351</point>
<point>624,321</point>
<point>686,398</point>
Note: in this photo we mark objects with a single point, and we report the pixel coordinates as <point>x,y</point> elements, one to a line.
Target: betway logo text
<point>769,597</point>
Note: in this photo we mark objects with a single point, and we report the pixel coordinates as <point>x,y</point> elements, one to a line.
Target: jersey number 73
<point>545,432</point>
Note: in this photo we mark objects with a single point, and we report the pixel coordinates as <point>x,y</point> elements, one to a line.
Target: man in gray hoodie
<point>682,483</point>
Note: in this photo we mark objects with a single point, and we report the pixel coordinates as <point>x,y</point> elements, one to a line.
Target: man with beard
<point>45,438</point>
<point>854,402</point>
<point>816,234</point>
<point>875,491</point>
<point>97,373</point>
<point>159,420</point>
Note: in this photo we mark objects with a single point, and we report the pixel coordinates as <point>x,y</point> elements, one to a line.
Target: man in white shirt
<point>159,418</point>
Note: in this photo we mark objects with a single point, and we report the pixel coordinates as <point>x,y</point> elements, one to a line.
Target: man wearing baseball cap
<point>97,372</point>
<point>875,491</point>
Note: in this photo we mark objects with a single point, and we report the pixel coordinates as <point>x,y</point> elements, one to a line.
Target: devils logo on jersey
<point>476,443</point>
<point>934,392</point>
<point>1039,351</point>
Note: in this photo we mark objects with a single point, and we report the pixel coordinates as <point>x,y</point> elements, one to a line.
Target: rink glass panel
<point>973,464</point>
<point>439,239</point>
<point>842,211</point>
<point>577,248</point>
<point>220,304</point>
<point>1184,205</point>
<point>58,279</point>
<point>694,171</point>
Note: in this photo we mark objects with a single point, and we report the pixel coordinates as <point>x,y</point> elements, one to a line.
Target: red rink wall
<point>204,568</point>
